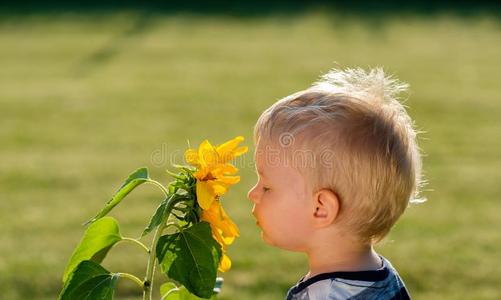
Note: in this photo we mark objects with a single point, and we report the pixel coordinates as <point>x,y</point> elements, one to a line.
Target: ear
<point>326,207</point>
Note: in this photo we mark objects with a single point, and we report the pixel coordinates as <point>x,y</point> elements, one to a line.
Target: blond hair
<point>362,141</point>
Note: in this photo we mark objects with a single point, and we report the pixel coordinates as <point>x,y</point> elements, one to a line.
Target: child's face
<point>282,202</point>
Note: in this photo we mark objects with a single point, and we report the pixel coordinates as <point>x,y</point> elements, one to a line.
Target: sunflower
<point>214,174</point>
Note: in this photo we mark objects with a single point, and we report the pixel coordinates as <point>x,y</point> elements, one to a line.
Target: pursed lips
<point>255,217</point>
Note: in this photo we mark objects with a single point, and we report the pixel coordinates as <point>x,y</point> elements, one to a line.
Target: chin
<point>284,246</point>
<point>293,247</point>
<point>267,239</point>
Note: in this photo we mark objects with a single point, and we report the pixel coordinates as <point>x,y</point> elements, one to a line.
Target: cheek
<point>299,215</point>
<point>281,213</point>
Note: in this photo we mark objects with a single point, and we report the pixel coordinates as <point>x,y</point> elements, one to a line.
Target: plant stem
<point>137,243</point>
<point>150,270</point>
<point>170,292</point>
<point>159,185</point>
<point>133,278</point>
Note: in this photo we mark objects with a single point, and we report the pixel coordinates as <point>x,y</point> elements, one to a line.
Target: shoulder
<point>384,283</point>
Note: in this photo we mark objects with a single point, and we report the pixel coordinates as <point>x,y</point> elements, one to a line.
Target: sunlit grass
<point>85,100</point>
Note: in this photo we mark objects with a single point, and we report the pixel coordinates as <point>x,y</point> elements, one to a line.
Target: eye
<point>265,189</point>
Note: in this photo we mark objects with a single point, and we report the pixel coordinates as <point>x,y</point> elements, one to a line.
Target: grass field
<point>87,98</point>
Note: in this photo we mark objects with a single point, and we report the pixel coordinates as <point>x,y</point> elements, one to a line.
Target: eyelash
<point>265,189</point>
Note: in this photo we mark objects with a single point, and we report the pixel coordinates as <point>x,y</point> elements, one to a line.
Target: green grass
<point>86,99</point>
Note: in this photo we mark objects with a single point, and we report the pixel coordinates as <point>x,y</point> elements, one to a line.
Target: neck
<point>342,256</point>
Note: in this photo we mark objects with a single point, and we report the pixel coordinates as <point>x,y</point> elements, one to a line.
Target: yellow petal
<point>204,195</point>
<point>225,240</point>
<point>191,157</point>
<point>216,234</point>
<point>225,263</point>
<point>207,154</point>
<point>201,173</point>
<point>229,180</point>
<point>229,231</point>
<point>224,169</point>
<point>223,228</point>
<point>227,150</point>
<point>227,226</point>
<point>212,215</point>
<point>241,150</point>
<point>217,188</point>
<point>229,146</point>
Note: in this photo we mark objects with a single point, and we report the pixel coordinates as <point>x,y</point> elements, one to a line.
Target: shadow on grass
<point>372,13</point>
<point>139,26</point>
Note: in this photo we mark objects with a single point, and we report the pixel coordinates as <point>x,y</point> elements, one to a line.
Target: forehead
<point>268,156</point>
<point>273,160</point>
<point>277,172</point>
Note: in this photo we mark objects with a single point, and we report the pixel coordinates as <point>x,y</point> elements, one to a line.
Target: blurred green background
<point>89,93</point>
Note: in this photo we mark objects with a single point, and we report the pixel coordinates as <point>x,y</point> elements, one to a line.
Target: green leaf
<point>169,291</point>
<point>161,214</point>
<point>138,177</point>
<point>89,281</point>
<point>191,257</point>
<point>95,244</point>
<point>166,288</point>
<point>158,217</point>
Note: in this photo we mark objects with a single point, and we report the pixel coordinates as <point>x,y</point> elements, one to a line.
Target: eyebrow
<point>260,172</point>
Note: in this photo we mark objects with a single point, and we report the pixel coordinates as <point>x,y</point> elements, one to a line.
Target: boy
<point>338,164</point>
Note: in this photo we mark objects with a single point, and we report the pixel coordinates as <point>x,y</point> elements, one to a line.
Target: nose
<point>252,194</point>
